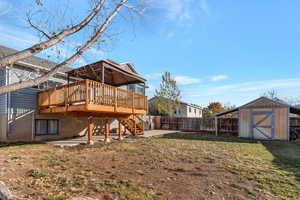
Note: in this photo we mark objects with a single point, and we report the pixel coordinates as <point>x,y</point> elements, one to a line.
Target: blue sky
<point>218,50</point>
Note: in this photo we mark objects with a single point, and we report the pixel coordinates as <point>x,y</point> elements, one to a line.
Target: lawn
<point>174,166</point>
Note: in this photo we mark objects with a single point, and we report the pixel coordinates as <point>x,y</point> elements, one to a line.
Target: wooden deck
<point>90,98</point>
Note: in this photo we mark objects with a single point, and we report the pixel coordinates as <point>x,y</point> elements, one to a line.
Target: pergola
<point>108,72</point>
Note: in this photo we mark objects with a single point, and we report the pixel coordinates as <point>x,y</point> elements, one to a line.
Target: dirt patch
<point>156,168</point>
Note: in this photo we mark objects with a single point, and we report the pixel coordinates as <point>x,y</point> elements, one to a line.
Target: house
<point>74,102</point>
<point>183,110</point>
<point>264,118</point>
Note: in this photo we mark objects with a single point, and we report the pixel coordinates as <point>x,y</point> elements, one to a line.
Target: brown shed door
<point>263,125</point>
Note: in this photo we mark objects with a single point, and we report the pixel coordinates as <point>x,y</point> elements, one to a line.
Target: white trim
<point>39,67</point>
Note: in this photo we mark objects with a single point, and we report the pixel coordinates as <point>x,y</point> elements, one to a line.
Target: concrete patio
<point>100,138</point>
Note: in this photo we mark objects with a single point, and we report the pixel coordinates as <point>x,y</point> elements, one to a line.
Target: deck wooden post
<point>102,79</point>
<point>132,102</point>
<point>90,131</point>
<point>134,125</point>
<point>115,99</point>
<point>106,131</point>
<point>120,131</point>
<point>86,91</point>
<point>216,125</point>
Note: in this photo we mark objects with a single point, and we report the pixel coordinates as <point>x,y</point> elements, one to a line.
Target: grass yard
<point>174,166</point>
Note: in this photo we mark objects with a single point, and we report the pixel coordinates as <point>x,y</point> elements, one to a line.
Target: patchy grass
<point>174,166</point>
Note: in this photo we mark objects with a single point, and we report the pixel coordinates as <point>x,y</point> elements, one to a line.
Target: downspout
<point>8,104</point>
<point>288,119</point>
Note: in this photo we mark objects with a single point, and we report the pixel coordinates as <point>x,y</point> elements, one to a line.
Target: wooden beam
<point>119,130</point>
<point>90,131</point>
<point>106,131</point>
<point>87,91</point>
<point>134,125</point>
<point>102,73</point>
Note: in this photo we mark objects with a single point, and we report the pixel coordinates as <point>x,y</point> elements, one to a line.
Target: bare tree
<point>271,94</point>
<point>99,29</point>
<point>52,40</point>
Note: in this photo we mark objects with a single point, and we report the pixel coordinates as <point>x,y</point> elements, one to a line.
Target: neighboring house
<point>19,118</point>
<point>184,109</point>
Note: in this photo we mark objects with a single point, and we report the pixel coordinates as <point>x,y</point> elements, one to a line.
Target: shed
<point>264,118</point>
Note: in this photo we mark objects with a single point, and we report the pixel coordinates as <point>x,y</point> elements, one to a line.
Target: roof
<point>181,102</point>
<point>33,61</point>
<point>273,102</point>
<point>114,73</point>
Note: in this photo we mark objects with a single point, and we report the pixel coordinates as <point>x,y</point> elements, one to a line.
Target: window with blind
<point>46,127</point>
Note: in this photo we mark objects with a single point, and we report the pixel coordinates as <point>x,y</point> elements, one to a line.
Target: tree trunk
<point>74,57</point>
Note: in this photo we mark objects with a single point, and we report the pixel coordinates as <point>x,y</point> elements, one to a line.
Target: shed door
<point>263,125</point>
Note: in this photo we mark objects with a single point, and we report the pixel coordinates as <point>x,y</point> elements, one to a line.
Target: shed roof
<point>264,102</point>
<point>109,72</point>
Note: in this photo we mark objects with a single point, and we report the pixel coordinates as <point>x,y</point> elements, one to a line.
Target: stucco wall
<point>23,128</point>
<point>3,120</point>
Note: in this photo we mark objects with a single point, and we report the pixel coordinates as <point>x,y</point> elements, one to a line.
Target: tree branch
<point>11,59</point>
<point>74,57</point>
<point>39,29</point>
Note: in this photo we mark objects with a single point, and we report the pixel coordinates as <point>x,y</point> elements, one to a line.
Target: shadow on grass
<point>199,136</point>
<point>13,144</point>
<point>286,155</point>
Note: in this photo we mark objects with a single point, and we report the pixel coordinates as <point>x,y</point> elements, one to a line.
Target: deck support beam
<point>90,131</point>
<point>120,131</point>
<point>134,125</point>
<point>106,131</point>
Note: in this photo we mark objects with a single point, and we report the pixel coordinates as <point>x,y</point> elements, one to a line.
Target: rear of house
<point>19,119</point>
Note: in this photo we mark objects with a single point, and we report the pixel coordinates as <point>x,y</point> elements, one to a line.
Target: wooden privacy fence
<point>295,126</point>
<point>223,126</point>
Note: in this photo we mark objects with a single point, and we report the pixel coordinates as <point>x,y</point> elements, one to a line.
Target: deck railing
<point>91,92</point>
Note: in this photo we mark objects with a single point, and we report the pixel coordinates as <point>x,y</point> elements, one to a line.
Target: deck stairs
<point>134,125</point>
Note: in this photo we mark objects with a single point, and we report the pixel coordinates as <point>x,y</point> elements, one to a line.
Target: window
<point>131,87</point>
<point>48,84</point>
<point>140,89</point>
<point>195,111</point>
<point>177,111</point>
<point>46,127</point>
<point>190,109</point>
<point>136,88</point>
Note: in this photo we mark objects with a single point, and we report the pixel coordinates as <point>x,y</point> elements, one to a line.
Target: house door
<point>263,125</point>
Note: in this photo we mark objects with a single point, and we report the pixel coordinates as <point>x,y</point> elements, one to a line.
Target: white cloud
<point>95,52</point>
<point>219,77</point>
<point>186,80</point>
<point>153,76</point>
<point>13,37</point>
<point>5,7</point>
<point>244,87</point>
<point>179,10</point>
<point>170,35</point>
<point>240,93</point>
<point>204,6</point>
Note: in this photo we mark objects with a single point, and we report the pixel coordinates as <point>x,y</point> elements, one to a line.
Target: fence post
<point>216,125</point>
